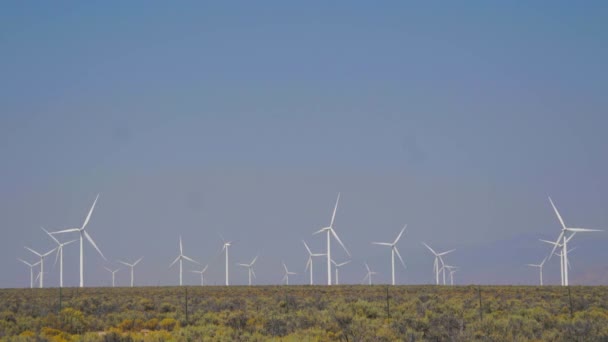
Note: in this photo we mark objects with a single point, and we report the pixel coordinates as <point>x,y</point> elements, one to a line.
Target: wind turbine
<point>540,268</point>
<point>309,262</point>
<point>114,272</point>
<point>31,271</point>
<point>561,255</point>
<point>330,231</point>
<point>394,251</point>
<point>287,273</point>
<point>83,234</point>
<point>250,268</point>
<point>132,267</point>
<point>337,266</point>
<point>59,254</point>
<point>225,247</point>
<point>369,274</point>
<point>452,271</point>
<point>42,256</point>
<point>202,273</point>
<point>562,235</point>
<point>181,257</point>
<point>438,258</point>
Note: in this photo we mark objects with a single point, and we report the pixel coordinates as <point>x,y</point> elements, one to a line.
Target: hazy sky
<point>247,119</point>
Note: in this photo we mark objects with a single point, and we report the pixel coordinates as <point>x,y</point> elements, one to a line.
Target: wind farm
<point>303,171</point>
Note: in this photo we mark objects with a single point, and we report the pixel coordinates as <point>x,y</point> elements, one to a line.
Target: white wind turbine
<point>337,266</point>
<point>31,271</point>
<point>394,251</point>
<point>59,254</point>
<point>250,268</point>
<point>330,231</point>
<point>540,268</point>
<point>287,274</point>
<point>562,236</point>
<point>225,247</point>
<point>561,255</point>
<point>114,272</point>
<point>453,270</point>
<point>132,266</point>
<point>202,273</point>
<point>42,256</point>
<point>83,234</point>
<point>438,258</point>
<point>181,257</point>
<point>369,274</point>
<point>309,263</point>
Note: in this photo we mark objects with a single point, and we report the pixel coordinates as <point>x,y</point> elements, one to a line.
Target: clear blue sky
<point>247,119</point>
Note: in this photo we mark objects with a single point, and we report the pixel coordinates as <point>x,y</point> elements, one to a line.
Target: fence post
<point>186,288</point>
<point>388,305</point>
<point>571,309</point>
<point>480,304</point>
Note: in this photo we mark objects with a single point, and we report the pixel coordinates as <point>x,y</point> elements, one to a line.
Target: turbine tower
<point>83,234</point>
<point>330,231</point>
<point>250,268</point>
<point>394,251</point>
<point>309,262</point>
<point>438,259</point>
<point>337,267</point>
<point>202,273</point>
<point>42,256</point>
<point>561,255</point>
<point>31,271</point>
<point>225,247</point>
<point>114,272</point>
<point>128,265</point>
<point>540,268</point>
<point>287,273</point>
<point>369,274</point>
<point>59,254</point>
<point>562,236</point>
<point>181,257</point>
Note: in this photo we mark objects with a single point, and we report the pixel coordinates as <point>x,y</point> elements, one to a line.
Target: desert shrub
<point>275,327</point>
<point>168,324</point>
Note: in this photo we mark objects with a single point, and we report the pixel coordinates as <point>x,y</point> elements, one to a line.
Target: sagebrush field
<point>306,313</point>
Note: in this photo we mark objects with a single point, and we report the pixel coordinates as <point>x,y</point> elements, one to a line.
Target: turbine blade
<point>49,252</point>
<point>366,266</point>
<point>400,258</point>
<point>93,243</point>
<point>556,243</point>
<point>557,213</point>
<point>547,241</point>
<point>33,251</point>
<point>138,260</point>
<point>253,273</point>
<point>59,249</point>
<point>430,249</point>
<point>305,245</point>
<point>344,263</point>
<point>69,242</point>
<point>285,267</point>
<point>191,260</point>
<point>204,269</point>
<point>86,221</point>
<point>399,236</point>
<point>52,237</point>
<point>244,265</point>
<point>320,231</point>
<point>181,249</point>
<point>583,230</point>
<point>67,231</point>
<point>382,243</point>
<point>254,260</point>
<point>174,261</point>
<point>308,263</point>
<point>447,252</point>
<point>333,232</point>
<point>25,262</point>
<point>333,216</point>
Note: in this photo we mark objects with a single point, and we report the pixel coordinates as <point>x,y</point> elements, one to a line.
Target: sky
<point>246,119</point>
